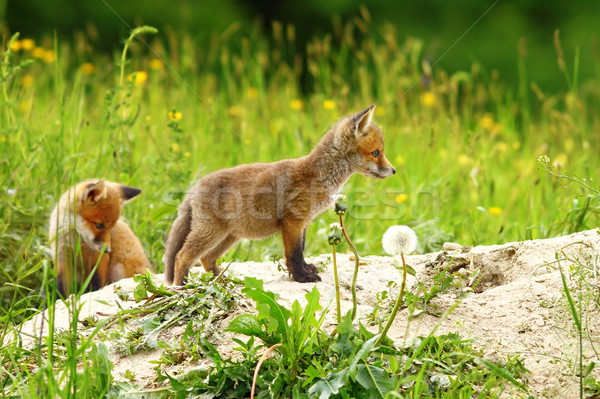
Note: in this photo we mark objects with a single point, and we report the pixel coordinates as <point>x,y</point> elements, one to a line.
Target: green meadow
<point>163,111</point>
<point>167,112</point>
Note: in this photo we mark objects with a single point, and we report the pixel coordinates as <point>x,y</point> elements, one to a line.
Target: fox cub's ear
<point>362,119</point>
<point>94,192</point>
<point>129,192</point>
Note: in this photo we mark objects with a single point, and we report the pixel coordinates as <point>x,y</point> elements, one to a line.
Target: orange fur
<point>86,233</point>
<point>261,199</point>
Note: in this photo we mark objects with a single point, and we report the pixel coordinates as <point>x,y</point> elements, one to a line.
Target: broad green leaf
<point>362,354</point>
<point>375,379</point>
<point>246,324</point>
<point>330,385</point>
<point>266,303</point>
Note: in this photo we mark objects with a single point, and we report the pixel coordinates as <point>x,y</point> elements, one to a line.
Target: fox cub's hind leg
<point>293,241</point>
<point>209,261</point>
<point>199,244</point>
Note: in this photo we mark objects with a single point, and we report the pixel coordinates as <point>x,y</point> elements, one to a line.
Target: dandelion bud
<point>398,240</point>
<point>334,237</point>
<point>340,208</point>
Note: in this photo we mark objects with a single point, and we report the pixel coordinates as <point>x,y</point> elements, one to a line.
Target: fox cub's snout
<point>368,145</point>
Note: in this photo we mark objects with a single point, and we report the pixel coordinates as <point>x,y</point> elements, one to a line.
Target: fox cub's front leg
<point>293,241</point>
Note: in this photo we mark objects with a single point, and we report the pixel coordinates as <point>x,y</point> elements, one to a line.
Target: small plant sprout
<point>334,238</point>
<point>397,240</point>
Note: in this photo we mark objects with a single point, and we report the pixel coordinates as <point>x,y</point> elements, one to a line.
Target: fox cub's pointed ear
<point>129,192</point>
<point>362,120</point>
<point>94,192</point>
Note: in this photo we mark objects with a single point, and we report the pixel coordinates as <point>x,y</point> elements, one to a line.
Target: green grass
<point>465,144</point>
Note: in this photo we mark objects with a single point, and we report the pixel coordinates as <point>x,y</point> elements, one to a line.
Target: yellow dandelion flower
<point>252,93</point>
<point>16,45</point>
<point>87,68</point>
<point>560,161</point>
<point>49,56</point>
<point>463,160</point>
<point>495,210</point>
<point>148,117</point>
<point>502,146</point>
<point>27,44</point>
<point>516,145</point>
<point>156,64</point>
<point>27,80</point>
<point>297,105</point>
<point>2,139</point>
<point>38,52</point>
<point>487,122</point>
<point>187,154</point>
<point>174,147</point>
<point>379,111</point>
<point>400,160</point>
<point>175,116</point>
<point>328,104</point>
<point>428,99</point>
<point>138,77</point>
<point>235,110</point>
<point>401,198</point>
<point>569,144</point>
<point>25,106</point>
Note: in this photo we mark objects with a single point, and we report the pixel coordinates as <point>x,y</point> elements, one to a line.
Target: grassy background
<point>465,143</point>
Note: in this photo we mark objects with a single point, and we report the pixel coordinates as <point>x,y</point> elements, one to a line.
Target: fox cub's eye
<point>375,153</point>
<point>99,226</point>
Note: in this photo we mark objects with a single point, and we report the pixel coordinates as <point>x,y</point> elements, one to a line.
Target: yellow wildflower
<point>49,56</point>
<point>495,210</point>
<point>328,104</point>
<point>487,122</point>
<point>516,145</point>
<point>401,198</point>
<point>400,160</point>
<point>428,99</point>
<point>148,117</point>
<point>187,154</point>
<point>25,106</point>
<point>175,147</point>
<point>379,111</point>
<point>235,110</point>
<point>16,45</point>
<point>38,52</point>
<point>175,115</point>
<point>297,104</point>
<point>27,44</point>
<point>87,68</point>
<point>502,146</point>
<point>252,93</point>
<point>138,77</point>
<point>27,80</point>
<point>156,64</point>
<point>464,160</point>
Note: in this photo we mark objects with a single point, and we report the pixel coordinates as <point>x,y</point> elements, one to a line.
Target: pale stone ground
<point>518,308</point>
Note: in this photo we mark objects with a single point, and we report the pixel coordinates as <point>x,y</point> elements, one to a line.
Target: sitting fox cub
<point>260,199</point>
<point>86,221</point>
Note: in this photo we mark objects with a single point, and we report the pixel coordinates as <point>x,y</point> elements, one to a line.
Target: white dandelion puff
<point>340,196</point>
<point>335,225</point>
<point>398,240</point>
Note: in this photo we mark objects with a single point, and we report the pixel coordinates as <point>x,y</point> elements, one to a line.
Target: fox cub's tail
<point>177,236</point>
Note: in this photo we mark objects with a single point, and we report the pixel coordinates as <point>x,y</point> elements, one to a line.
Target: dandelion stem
<point>356,263</point>
<point>336,281</point>
<point>399,301</point>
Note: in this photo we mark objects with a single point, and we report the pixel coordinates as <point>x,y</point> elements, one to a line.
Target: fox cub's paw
<point>307,274</point>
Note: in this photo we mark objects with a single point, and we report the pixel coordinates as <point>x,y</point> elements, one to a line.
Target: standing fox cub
<point>261,199</point>
<point>85,231</point>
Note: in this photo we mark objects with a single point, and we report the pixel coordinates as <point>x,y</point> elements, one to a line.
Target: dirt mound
<point>516,304</point>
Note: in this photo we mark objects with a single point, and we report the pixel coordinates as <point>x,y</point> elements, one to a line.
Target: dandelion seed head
<point>399,239</point>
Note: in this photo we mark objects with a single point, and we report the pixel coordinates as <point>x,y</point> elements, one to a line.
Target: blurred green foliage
<point>456,32</point>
